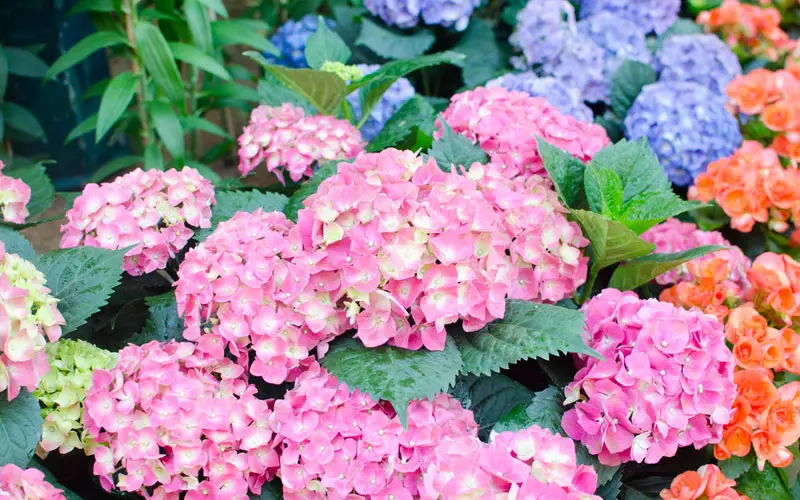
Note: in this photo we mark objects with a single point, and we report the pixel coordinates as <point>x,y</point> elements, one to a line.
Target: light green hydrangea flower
<point>61,393</point>
<point>343,71</point>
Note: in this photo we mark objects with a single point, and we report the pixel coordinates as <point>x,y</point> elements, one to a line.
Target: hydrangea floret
<point>396,95</point>
<point>581,65</point>
<point>285,139</point>
<point>686,125</point>
<point>291,38</point>
<point>170,420</point>
<point>542,30</point>
<point>61,393</point>
<point>30,319</point>
<point>28,484</point>
<point>347,72</point>
<point>651,15</point>
<point>566,99</point>
<point>506,124</point>
<point>666,380</point>
<point>14,196</point>
<point>447,13</point>
<point>153,210</point>
<point>619,37</point>
<point>707,482</point>
<point>701,59</point>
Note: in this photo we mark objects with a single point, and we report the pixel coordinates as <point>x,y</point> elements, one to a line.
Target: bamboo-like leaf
<point>159,61</point>
<point>195,57</point>
<point>168,127</point>
<point>83,49</point>
<point>115,101</point>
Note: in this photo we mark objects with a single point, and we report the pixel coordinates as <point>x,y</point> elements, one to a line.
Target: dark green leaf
<point>96,89</point>
<point>3,74</point>
<point>198,123</point>
<point>627,83</point>
<point>736,466</point>
<point>163,323</point>
<point>20,428</point>
<point>603,191</point>
<point>112,167</point>
<point>414,114</point>
<point>679,27</point>
<point>22,120</point>
<point>611,242</point>
<point>27,224</point>
<point>391,44</point>
<point>527,330</point>
<point>159,61</point>
<point>272,490</point>
<point>115,101</point>
<point>484,58</point>
<point>23,63</point>
<point>299,8</point>
<point>391,373</point>
<point>509,15</point>
<point>325,45</point>
<point>82,279</point>
<point>647,488</point>
<point>638,272</point>
<point>755,130</point>
<point>489,398</point>
<point>83,49</point>
<point>615,129</point>
<point>168,127</point>
<point>612,488</point>
<point>230,202</point>
<point>236,31</point>
<point>230,90</point>
<point>273,93</point>
<point>710,217</point>
<point>217,6</point>
<point>566,171</point>
<point>153,159</point>
<point>16,243</point>
<point>765,484</point>
<point>199,26</point>
<point>42,191</point>
<point>92,5</point>
<point>455,149</point>
<point>648,209</point>
<point>193,56</point>
<point>636,166</point>
<point>308,188</point>
<point>82,128</point>
<point>35,463</point>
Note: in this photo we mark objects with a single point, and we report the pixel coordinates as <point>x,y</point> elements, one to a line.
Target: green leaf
<point>414,115</point>
<point>679,27</point>
<point>3,76</point>
<point>615,128</point>
<point>325,45</point>
<point>83,49</point>
<point>230,90</point>
<point>391,373</point>
<point>509,15</point>
<point>168,127</point>
<point>163,323</point>
<point>191,55</point>
<point>603,191</point>
<point>42,191</point>
<point>27,224</point>
<point>92,5</point>
<point>638,272</point>
<point>82,128</point>
<point>736,466</point>
<point>159,61</point>
<point>710,217</point>
<point>230,202</point>
<point>636,166</point>
<point>762,484</point>
<point>82,279</point>
<point>527,330</point>
<point>647,488</point>
<point>611,241</point>
<point>20,428</point>
<point>22,120</point>
<point>35,463</point>
<point>95,89</point>
<point>16,243</point>
<point>489,398</point>
<point>207,172</point>
<point>611,489</point>
<point>199,123</point>
<point>216,6</point>
<point>115,101</point>
<point>153,159</point>
<point>308,188</point>
<point>325,91</point>
<point>236,31</point>
<point>23,63</point>
<point>484,58</point>
<point>199,26</point>
<point>272,490</point>
<point>299,8</point>
<point>566,171</point>
<point>627,83</point>
<point>113,166</point>
<point>455,149</point>
<point>648,209</point>
<point>274,93</point>
<point>390,44</point>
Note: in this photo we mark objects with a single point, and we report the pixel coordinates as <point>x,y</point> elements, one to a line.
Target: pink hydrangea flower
<point>28,484</point>
<point>673,236</point>
<point>250,287</point>
<point>401,239</point>
<point>506,124</point>
<point>171,422</point>
<point>532,464</point>
<point>336,444</point>
<point>151,209</point>
<point>14,196</point>
<point>666,381</point>
<point>29,319</point>
<point>285,138</point>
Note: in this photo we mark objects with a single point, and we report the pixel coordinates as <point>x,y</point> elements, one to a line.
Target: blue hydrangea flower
<point>395,96</point>
<point>650,15</point>
<point>543,28</point>
<point>620,39</point>
<point>291,39</point>
<point>686,125</point>
<point>581,65</point>
<point>406,13</point>
<point>566,99</point>
<point>702,59</point>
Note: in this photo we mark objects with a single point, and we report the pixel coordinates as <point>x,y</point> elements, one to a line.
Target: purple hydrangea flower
<point>619,38</point>
<point>702,59</point>
<point>581,65</point>
<point>543,29</point>
<point>566,99</point>
<point>395,96</point>
<point>686,125</point>
<point>406,13</point>
<point>291,39</point>
<point>650,15</point>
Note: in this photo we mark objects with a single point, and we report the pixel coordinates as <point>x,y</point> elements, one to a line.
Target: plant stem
<point>588,286</point>
<point>141,96</point>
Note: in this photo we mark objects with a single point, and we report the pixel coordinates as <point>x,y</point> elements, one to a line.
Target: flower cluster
<point>14,195</point>
<point>406,238</point>
<point>30,319</point>
<point>701,59</point>
<point>152,209</point>
<point>285,138</point>
<point>62,390</point>
<point>758,345</point>
<point>566,99</point>
<point>543,29</point>
<point>333,442</point>
<point>168,419</point>
<point>290,39</point>
<point>686,125</point>
<point>395,96</point>
<point>28,484</point>
<point>581,65</point>
<point>251,287</point>
<point>776,283</point>
<point>347,72</point>
<point>751,186</point>
<point>711,288</point>
<point>530,464</point>
<point>506,124</point>
<point>749,29</point>
<point>447,13</point>
<point>652,15</point>
<point>666,381</point>
<point>707,482</point>
<point>674,236</point>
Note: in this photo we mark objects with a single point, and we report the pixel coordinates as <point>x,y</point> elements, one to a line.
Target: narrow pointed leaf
<point>638,272</point>
<point>192,55</point>
<point>82,128</point>
<point>115,101</point>
<point>159,61</point>
<point>83,49</point>
<point>168,128</point>
<point>22,120</point>
<point>23,63</point>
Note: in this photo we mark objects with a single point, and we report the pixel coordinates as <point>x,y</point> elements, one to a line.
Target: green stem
<point>141,96</point>
<point>588,286</point>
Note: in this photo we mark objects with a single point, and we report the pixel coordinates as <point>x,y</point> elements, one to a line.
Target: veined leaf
<point>273,93</point>
<point>230,202</point>
<point>168,127</point>
<point>627,83</point>
<point>648,209</point>
<point>199,26</point>
<point>325,45</point>
<point>309,187</point>
<point>736,466</point>
<point>414,114</point>
<point>636,166</point>
<point>638,272</point>
<point>611,241</point>
<point>83,49</point>
<point>115,101</point>
<point>195,57</point>
<point>42,191</point>
<point>163,323</point>
<point>762,484</point>
<point>603,191</point>
<point>484,57</point>
<point>489,398</point>
<point>159,61</point>
<point>392,45</point>
<point>16,243</point>
<point>456,150</point>
<point>20,428</point>
<point>566,171</point>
